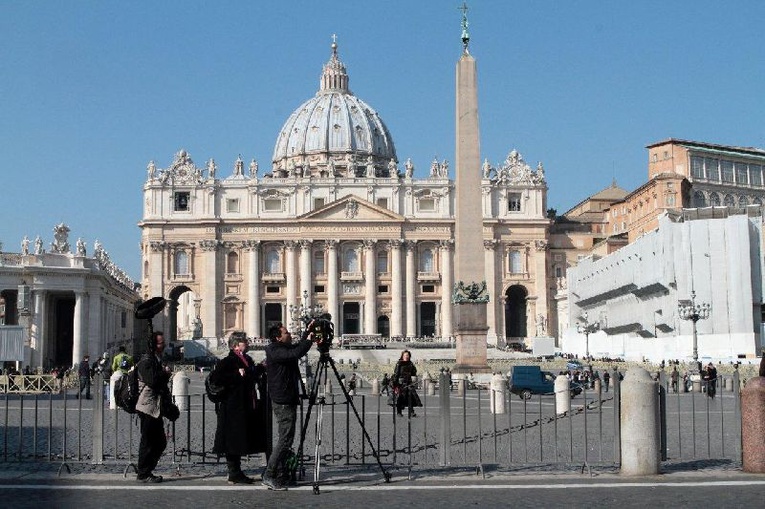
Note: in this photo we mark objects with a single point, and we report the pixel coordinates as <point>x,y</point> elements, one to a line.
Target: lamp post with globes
<point>690,310</point>
<point>302,310</point>
<point>587,328</point>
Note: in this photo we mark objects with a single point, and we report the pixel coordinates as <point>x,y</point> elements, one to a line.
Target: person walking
<point>84,373</point>
<point>385,384</point>
<point>283,388</point>
<point>122,361</point>
<point>152,388</point>
<point>241,415</point>
<point>403,384</point>
<point>606,379</point>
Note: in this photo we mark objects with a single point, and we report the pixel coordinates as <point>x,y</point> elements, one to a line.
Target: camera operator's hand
<point>308,332</point>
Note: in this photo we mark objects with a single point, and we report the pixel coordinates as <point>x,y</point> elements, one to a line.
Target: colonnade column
<point>490,252</point>
<point>330,250</point>
<point>36,341</point>
<point>292,276</point>
<point>78,348</point>
<point>253,290</point>
<point>447,286</point>
<point>411,286</point>
<point>370,282</point>
<point>210,299</point>
<point>397,318</point>
<point>305,270</point>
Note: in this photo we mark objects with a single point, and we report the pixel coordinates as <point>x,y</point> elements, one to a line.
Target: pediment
<point>351,208</point>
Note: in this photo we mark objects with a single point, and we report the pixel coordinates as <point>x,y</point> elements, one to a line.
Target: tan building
<point>337,221</point>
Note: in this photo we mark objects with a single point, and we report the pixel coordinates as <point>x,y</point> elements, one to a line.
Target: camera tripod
<point>314,398</point>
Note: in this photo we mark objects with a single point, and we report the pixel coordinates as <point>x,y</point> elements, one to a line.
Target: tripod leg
<point>321,369</point>
<point>317,452</point>
<point>349,400</point>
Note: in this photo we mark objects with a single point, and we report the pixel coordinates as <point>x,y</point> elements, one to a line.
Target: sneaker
<point>240,478</point>
<point>273,484</point>
<point>149,478</point>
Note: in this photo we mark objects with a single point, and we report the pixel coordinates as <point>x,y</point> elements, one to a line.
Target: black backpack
<point>215,393</point>
<point>126,391</point>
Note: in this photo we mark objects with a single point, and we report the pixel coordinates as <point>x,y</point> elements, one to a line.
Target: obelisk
<point>469,296</point>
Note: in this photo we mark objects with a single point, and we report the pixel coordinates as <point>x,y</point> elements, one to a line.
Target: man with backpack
<point>122,361</point>
<point>152,382</point>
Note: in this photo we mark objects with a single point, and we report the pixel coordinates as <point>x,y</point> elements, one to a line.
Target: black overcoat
<point>243,414</point>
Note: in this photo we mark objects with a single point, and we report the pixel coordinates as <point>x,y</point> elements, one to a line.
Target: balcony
<point>273,277</point>
<point>351,276</point>
<point>428,276</point>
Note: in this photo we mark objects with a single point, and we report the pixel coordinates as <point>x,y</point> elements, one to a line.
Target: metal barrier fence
<point>452,428</point>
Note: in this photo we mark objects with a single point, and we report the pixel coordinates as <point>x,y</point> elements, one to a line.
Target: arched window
<point>382,262</point>
<point>743,201</point>
<point>714,199</point>
<point>232,263</point>
<point>699,200</point>
<point>728,201</point>
<point>273,265</point>
<point>757,201</point>
<point>318,262</point>
<point>350,260</point>
<point>426,261</point>
<point>146,269</point>
<point>181,263</point>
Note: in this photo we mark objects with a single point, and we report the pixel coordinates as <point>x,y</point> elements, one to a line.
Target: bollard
<point>461,383</point>
<point>181,390</point>
<point>425,384</point>
<point>375,387</point>
<point>598,386</point>
<point>639,424</point>
<point>446,417</point>
<point>696,385</point>
<point>562,395</point>
<point>432,388</point>
<point>728,383</point>
<point>112,382</point>
<point>497,394</point>
<point>328,386</point>
<point>753,425</point>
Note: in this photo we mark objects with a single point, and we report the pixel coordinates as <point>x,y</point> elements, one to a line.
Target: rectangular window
<point>514,202</point>
<point>712,169</point>
<point>515,266</point>
<point>558,271</point>
<point>382,202</point>
<point>318,289</point>
<point>382,288</point>
<point>232,205</point>
<point>428,289</point>
<point>123,319</point>
<point>272,204</point>
<point>755,175</point>
<point>181,201</point>
<point>727,171</point>
<point>741,174</point>
<point>670,200</point>
<point>697,167</point>
<point>427,204</point>
<point>272,289</point>
<point>318,203</point>
<point>318,262</point>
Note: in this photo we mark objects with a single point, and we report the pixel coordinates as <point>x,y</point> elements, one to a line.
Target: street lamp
<point>689,310</point>
<point>302,310</point>
<point>587,328</point>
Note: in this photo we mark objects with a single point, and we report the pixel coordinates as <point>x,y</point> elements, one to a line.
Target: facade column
<point>210,297</point>
<point>253,290</point>
<point>490,258</point>
<point>370,286</point>
<point>447,286</point>
<point>96,318</point>
<point>292,276</point>
<point>397,310</point>
<point>78,348</point>
<point>330,248</point>
<point>543,297</point>
<point>411,286</point>
<point>306,288</point>
<point>37,341</point>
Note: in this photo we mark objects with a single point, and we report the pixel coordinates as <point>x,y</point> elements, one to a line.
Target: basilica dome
<point>334,134</point>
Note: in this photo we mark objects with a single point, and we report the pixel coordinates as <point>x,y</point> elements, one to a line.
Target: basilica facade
<point>338,222</point>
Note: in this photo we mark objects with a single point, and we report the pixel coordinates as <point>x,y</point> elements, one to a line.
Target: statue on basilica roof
<point>151,170</point>
<point>253,168</point>
<point>211,168</point>
<point>25,245</point>
<point>81,247</point>
<point>408,168</point>
<point>38,246</point>
<point>239,166</point>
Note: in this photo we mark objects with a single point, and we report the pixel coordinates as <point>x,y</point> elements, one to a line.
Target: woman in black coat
<point>403,381</point>
<point>242,423</point>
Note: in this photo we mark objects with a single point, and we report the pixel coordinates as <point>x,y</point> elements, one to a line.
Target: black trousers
<point>153,443</point>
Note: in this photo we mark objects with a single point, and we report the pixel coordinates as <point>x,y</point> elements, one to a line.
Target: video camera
<point>323,330</point>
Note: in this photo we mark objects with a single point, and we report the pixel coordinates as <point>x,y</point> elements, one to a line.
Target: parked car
<point>573,365</point>
<point>526,381</point>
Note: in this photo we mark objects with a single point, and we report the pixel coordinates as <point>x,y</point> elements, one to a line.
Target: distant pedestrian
<point>122,361</point>
<point>84,373</point>
<point>352,385</point>
<point>606,379</point>
<point>385,384</point>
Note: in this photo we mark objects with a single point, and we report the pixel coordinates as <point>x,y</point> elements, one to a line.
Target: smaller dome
<point>334,133</point>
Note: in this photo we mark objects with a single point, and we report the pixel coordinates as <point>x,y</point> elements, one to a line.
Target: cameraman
<point>283,387</point>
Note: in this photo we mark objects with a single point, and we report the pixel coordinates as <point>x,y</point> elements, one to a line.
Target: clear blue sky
<point>91,91</point>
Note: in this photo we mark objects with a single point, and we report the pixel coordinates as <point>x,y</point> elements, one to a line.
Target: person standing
<point>84,372</point>
<point>403,384</point>
<point>152,388</point>
<point>710,377</point>
<point>122,361</point>
<point>385,384</point>
<point>606,379</point>
<point>241,427</point>
<point>283,387</point>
